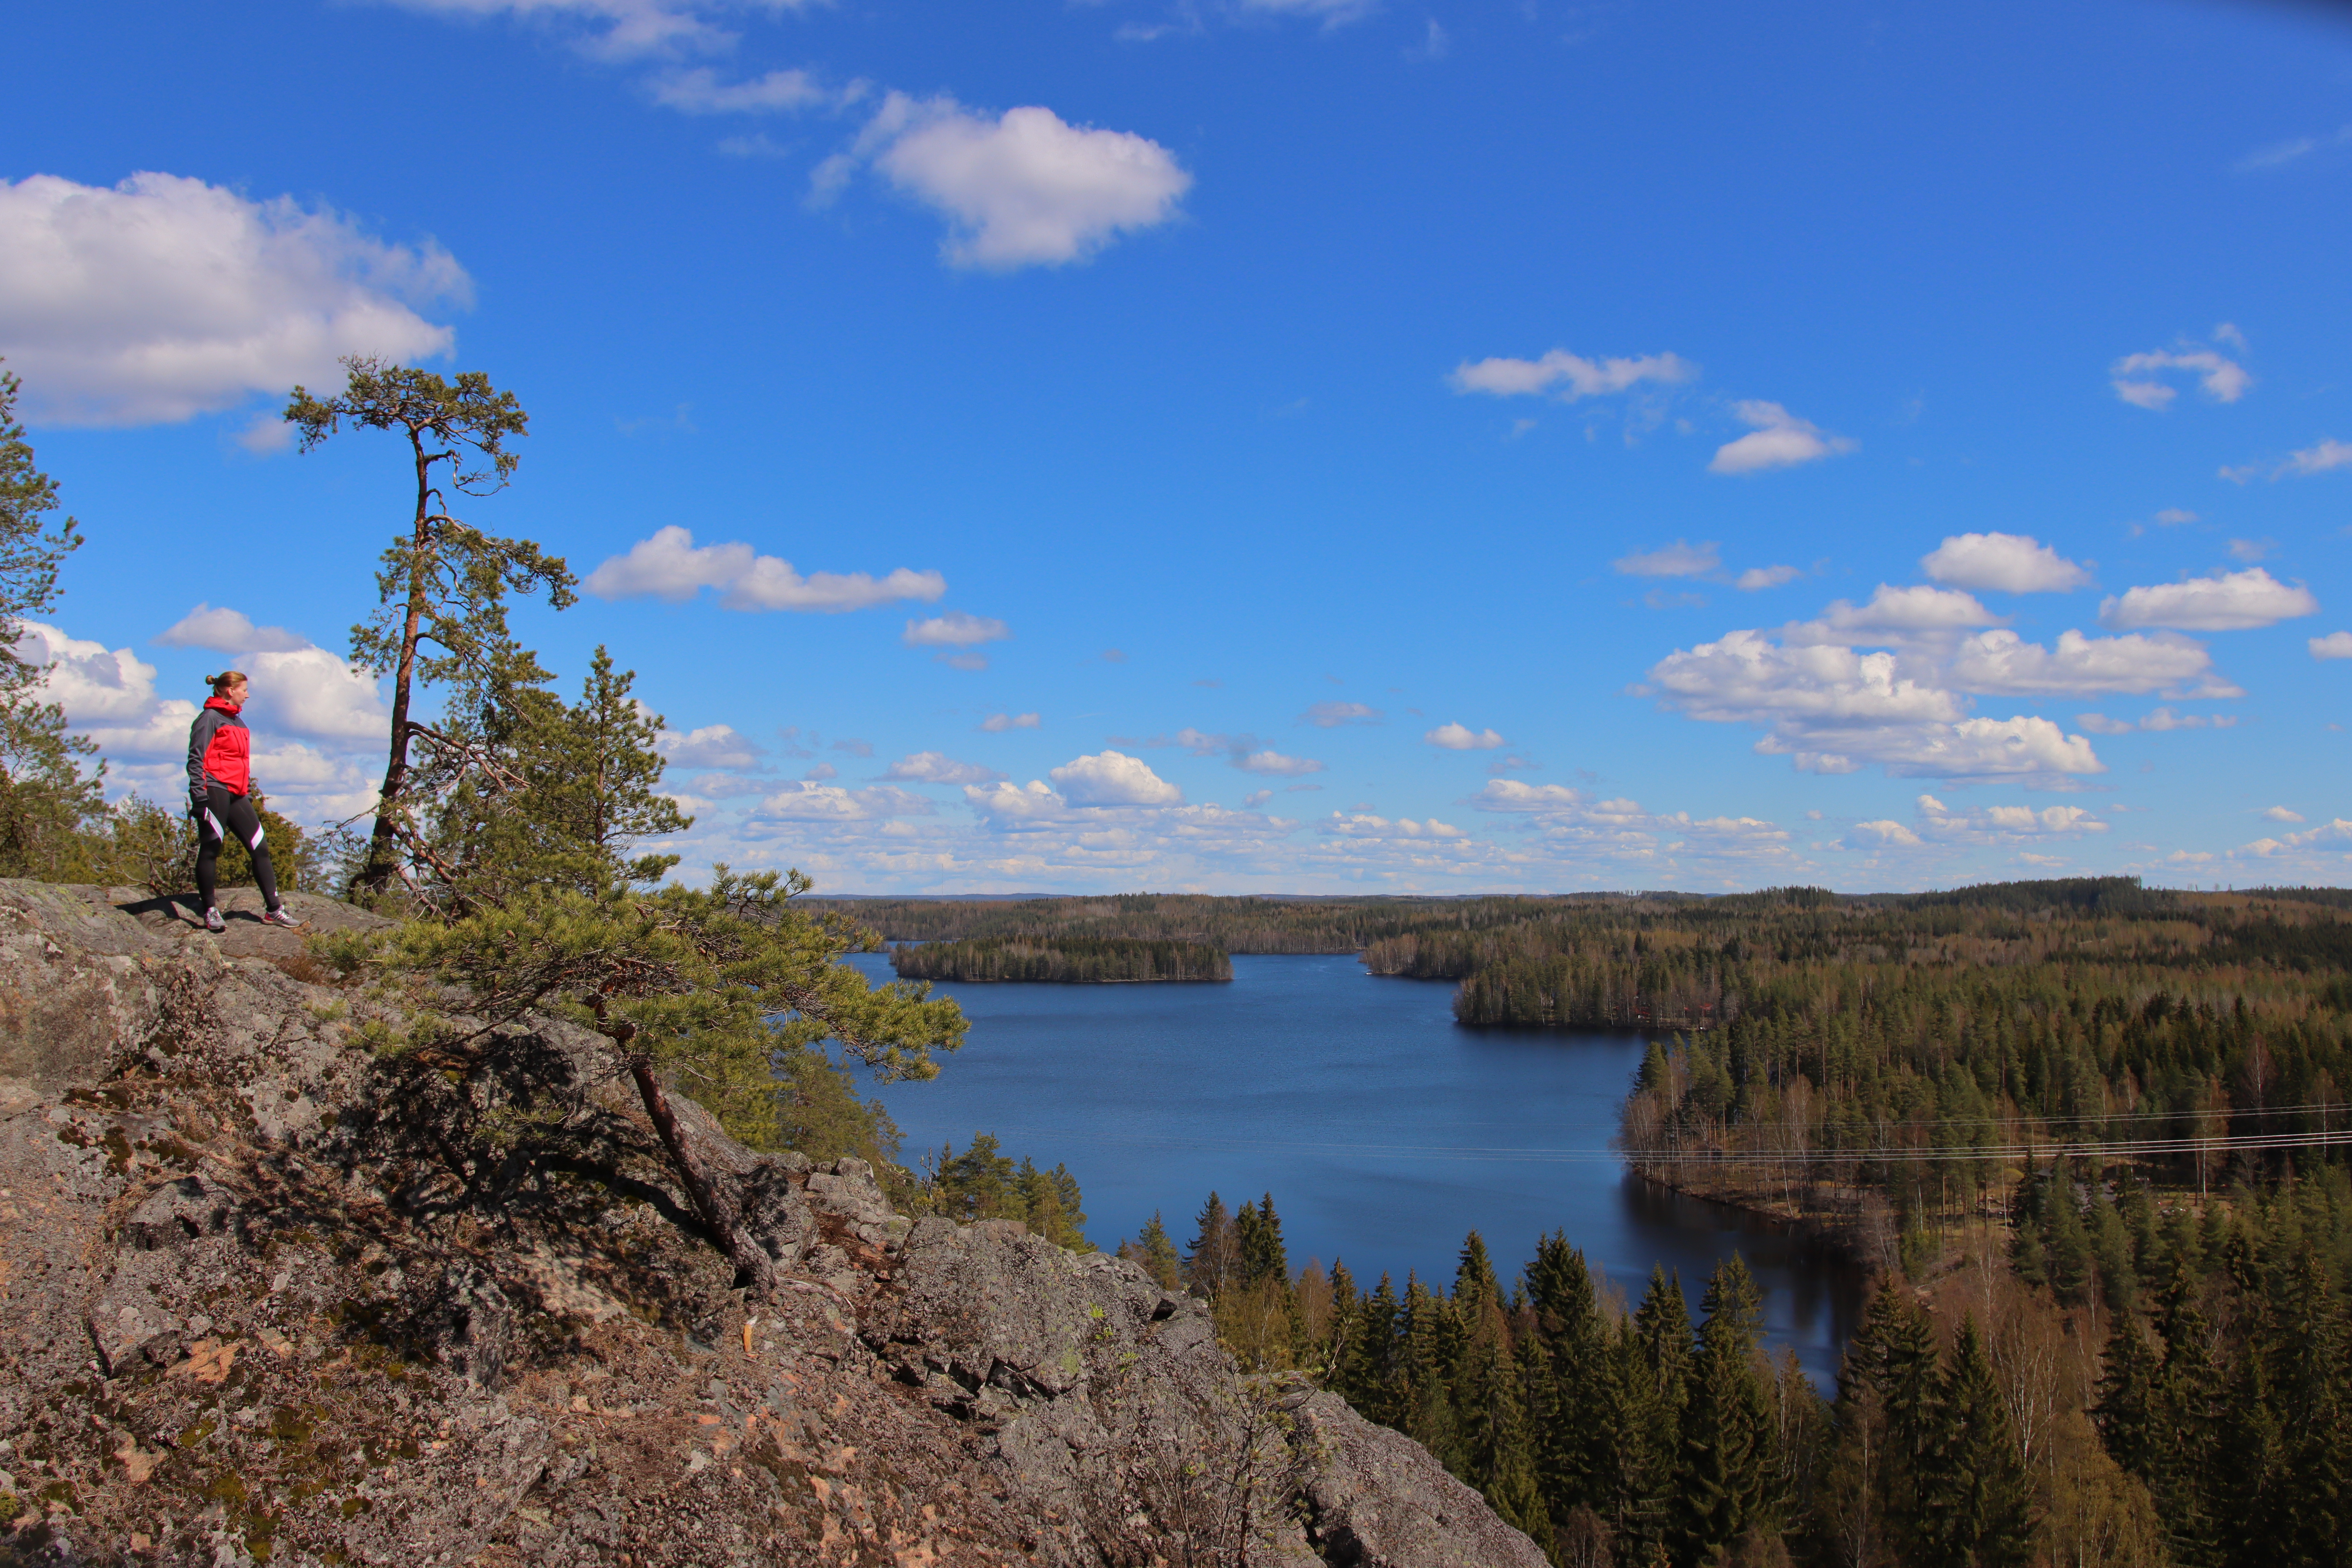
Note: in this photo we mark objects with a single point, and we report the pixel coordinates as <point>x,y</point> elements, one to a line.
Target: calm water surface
<point>1384,1131</point>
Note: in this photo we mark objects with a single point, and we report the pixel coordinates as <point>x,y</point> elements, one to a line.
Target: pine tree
<point>442,586</point>
<point>47,802</point>
<point>711,984</point>
<point>979,1184</point>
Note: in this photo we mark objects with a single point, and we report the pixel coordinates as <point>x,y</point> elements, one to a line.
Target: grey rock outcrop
<point>267,1295</point>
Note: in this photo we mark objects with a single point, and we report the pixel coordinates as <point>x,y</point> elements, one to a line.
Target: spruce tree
<point>1573,1433</point>
<point>1978,1510</point>
<point>1212,1264</point>
<point>1259,1237</point>
<point>1474,1285</point>
<point>1660,1333</point>
<point>1367,1370</point>
<point>1730,1465</point>
<point>1888,1397</point>
<point>1156,1254</point>
<point>1429,1353</point>
<point>2306,1346</point>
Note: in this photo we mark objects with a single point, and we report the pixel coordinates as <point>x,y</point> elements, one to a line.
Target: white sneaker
<point>278,917</point>
<point>214,922</point>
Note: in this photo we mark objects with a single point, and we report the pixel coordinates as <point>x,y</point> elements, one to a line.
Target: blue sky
<point>1275,444</point>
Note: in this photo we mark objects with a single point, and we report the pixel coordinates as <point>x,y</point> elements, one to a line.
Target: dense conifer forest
<point>2122,1378</point>
<point>1073,960</point>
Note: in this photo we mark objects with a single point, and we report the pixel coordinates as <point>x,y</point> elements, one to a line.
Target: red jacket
<point>220,750</point>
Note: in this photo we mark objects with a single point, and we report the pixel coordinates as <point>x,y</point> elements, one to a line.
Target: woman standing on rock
<point>220,797</point>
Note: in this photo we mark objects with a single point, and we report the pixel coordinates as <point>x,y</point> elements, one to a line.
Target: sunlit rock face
<point>273,1295</point>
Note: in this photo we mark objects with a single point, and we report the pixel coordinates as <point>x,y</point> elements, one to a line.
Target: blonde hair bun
<point>225,680</point>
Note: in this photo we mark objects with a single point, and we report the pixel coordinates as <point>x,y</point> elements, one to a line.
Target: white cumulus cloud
<point>2326,455</point>
<point>1894,615</point>
<point>997,723</point>
<point>954,629</point>
<point>224,630</point>
<point>1757,578</point>
<point>1272,762</point>
<point>1778,439</point>
<point>805,801</point>
<point>93,683</point>
<point>2335,645</point>
<point>2010,563</point>
<point>163,296</point>
<point>1016,803</point>
<point>311,691</point>
<point>937,767</point>
<point>2000,663</point>
<point>2004,824</point>
<point>1113,778</point>
<point>1364,825</point>
<point>1022,189</point>
<point>2224,602</point>
<point>670,566</point>
<point>700,91</point>
<point>1462,738</point>
<point>1331,715</point>
<point>2138,378</point>
<point>617,29</point>
<point>711,746</point>
<point>1832,708</point>
<point>2334,835</point>
<point>1568,376</point>
<point>1676,559</point>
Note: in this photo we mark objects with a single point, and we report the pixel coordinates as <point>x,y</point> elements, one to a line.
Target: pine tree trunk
<point>752,1264</point>
<point>383,850</point>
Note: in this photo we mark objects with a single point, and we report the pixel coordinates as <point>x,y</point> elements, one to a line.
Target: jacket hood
<point>225,705</point>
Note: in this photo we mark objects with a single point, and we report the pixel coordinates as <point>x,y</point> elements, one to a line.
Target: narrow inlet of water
<point>1384,1131</point>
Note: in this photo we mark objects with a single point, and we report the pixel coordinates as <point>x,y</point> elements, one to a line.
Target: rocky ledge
<point>266,1296</point>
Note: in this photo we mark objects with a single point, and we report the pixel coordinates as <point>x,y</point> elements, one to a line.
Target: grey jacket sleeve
<point>200,740</point>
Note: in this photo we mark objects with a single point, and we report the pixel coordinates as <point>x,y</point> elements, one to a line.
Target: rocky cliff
<point>266,1296</point>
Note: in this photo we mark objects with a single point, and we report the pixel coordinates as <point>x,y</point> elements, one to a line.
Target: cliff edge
<point>266,1296</point>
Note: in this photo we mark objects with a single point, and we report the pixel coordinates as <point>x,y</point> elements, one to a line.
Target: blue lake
<point>1384,1130</point>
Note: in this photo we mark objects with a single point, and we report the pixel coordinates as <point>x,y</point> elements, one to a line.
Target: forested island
<point>1080,960</point>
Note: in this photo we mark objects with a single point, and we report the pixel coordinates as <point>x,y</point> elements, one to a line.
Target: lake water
<point>1384,1130</point>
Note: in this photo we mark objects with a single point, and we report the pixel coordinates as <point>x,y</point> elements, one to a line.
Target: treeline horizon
<point>1068,960</point>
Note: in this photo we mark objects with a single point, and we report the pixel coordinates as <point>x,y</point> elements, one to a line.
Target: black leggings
<point>224,814</point>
